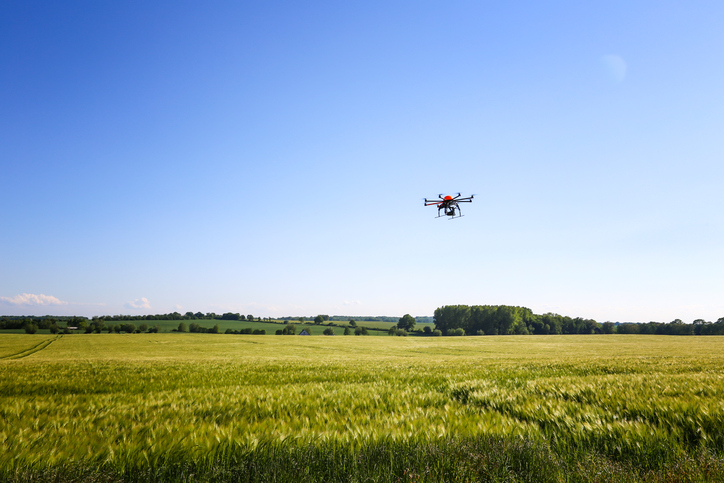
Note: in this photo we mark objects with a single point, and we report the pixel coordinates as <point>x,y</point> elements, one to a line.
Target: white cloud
<point>30,299</point>
<point>138,304</point>
<point>354,302</point>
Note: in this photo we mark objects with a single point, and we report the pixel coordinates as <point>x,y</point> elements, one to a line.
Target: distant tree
<point>190,315</point>
<point>628,328</point>
<point>347,331</point>
<point>143,327</point>
<point>608,328</point>
<point>216,329</point>
<point>318,320</point>
<point>458,332</point>
<point>401,333</point>
<point>407,322</point>
<point>352,323</point>
<point>427,330</point>
<point>154,329</point>
<point>249,317</point>
<point>182,327</point>
<point>31,328</point>
<point>54,329</point>
<point>392,330</point>
<point>97,325</point>
<point>301,320</point>
<point>289,329</point>
<point>437,332</point>
<point>328,331</point>
<point>199,315</point>
<point>360,331</point>
<point>279,332</point>
<point>229,331</point>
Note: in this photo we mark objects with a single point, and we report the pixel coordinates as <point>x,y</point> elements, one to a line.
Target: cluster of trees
<point>505,319</point>
<point>44,322</point>
<point>197,328</point>
<point>69,325</point>
<point>675,327</point>
<point>248,330</point>
<point>178,316</point>
<point>126,327</point>
<point>236,316</point>
<point>289,329</point>
<point>350,329</point>
<point>404,325</point>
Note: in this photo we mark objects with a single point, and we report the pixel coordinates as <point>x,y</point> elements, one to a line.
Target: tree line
<point>506,319</point>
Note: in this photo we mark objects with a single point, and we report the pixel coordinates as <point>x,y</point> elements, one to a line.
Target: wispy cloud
<point>138,304</point>
<point>353,302</point>
<point>32,300</point>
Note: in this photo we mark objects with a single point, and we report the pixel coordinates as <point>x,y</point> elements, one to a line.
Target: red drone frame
<point>449,205</point>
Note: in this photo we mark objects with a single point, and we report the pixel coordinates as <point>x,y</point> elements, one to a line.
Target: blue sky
<point>271,157</point>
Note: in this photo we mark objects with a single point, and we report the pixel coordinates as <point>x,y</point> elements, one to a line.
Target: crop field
<point>207,407</point>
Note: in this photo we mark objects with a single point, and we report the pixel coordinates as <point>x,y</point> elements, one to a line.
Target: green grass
<point>162,407</point>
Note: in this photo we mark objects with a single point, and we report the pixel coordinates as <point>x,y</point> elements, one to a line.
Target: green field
<point>206,407</point>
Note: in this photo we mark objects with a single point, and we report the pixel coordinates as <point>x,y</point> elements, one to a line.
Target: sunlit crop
<point>125,404</point>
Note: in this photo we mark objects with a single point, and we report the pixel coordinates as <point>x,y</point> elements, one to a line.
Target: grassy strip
<point>482,458</point>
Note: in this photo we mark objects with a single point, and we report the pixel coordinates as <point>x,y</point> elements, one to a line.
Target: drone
<point>449,205</point>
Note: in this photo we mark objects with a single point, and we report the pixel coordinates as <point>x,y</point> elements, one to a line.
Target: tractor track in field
<point>30,351</point>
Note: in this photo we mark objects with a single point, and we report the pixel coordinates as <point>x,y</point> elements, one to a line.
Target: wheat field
<point>204,407</point>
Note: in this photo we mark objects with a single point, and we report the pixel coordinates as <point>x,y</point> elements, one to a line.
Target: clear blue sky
<point>271,157</point>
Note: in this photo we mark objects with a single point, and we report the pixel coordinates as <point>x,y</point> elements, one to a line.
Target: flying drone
<point>449,205</point>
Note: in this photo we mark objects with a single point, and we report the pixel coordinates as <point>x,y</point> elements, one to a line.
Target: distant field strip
<point>31,350</point>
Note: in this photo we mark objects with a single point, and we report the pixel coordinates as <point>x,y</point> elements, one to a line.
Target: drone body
<point>448,205</point>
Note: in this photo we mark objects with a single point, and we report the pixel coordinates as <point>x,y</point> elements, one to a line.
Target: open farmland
<point>202,407</point>
<point>168,325</point>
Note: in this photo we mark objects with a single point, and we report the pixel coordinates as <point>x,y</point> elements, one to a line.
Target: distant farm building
<point>304,332</point>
